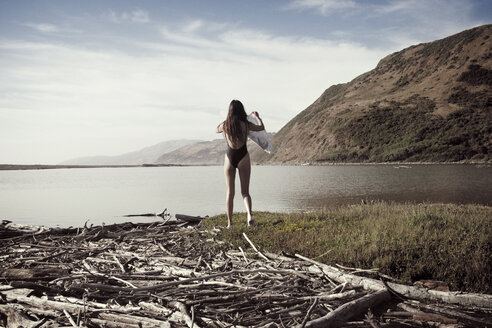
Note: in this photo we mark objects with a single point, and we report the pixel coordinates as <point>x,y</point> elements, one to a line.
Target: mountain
<point>142,156</point>
<point>205,153</point>
<point>201,153</point>
<point>430,102</point>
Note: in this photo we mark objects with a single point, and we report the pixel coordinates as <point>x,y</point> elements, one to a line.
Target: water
<point>69,197</point>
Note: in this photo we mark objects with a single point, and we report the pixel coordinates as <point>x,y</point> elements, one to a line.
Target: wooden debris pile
<point>164,274</point>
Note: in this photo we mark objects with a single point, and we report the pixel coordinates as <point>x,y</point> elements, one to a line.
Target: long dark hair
<point>232,125</point>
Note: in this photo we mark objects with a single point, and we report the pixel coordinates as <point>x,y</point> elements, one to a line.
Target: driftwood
<point>349,310</point>
<point>254,247</point>
<point>163,214</point>
<point>414,306</point>
<point>467,299</point>
<point>420,315</point>
<point>33,273</point>
<point>189,218</point>
<point>16,318</point>
<point>159,274</point>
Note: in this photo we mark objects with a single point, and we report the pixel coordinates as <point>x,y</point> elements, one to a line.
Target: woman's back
<point>239,140</point>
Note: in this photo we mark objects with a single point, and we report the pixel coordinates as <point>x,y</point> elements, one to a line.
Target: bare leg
<point>244,168</point>
<point>230,175</point>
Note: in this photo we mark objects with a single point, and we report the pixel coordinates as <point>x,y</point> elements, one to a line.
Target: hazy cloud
<point>397,23</point>
<point>140,16</point>
<point>46,28</point>
<point>193,25</point>
<point>438,10</point>
<point>136,16</point>
<point>399,5</point>
<point>426,19</point>
<point>199,25</point>
<point>322,6</point>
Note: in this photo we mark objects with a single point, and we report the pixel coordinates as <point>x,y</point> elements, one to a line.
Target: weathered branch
<point>349,310</point>
<point>467,299</point>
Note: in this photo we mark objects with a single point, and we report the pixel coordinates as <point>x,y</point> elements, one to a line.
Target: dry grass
<point>407,241</point>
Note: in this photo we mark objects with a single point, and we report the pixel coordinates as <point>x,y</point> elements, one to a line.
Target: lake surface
<point>68,197</point>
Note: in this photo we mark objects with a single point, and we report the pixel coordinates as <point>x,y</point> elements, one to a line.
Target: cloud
<point>393,23</point>
<point>324,7</point>
<point>136,16</point>
<point>399,6</point>
<point>425,20</point>
<point>199,25</point>
<point>45,28</point>
<point>105,101</point>
<point>140,16</point>
<point>427,8</point>
<point>193,25</point>
<point>438,10</point>
<point>52,29</point>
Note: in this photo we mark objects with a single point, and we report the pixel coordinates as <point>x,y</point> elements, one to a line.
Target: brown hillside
<point>204,153</point>
<point>429,102</point>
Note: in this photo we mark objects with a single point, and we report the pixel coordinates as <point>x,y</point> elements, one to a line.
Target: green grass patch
<point>409,242</point>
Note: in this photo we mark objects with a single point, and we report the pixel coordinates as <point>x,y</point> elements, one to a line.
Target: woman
<point>236,128</point>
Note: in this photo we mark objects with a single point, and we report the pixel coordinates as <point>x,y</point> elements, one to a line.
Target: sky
<point>80,78</point>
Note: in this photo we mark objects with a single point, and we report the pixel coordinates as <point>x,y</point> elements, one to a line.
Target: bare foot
<point>250,220</point>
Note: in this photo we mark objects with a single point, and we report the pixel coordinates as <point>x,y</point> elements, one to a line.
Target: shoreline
<point>375,163</point>
<point>21,167</point>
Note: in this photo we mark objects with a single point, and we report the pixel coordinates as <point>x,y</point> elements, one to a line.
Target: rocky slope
<point>429,102</point>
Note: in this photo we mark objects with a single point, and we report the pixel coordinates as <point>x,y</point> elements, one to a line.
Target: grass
<point>409,242</point>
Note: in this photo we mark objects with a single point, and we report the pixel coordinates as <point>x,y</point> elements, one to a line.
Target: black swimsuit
<point>236,155</point>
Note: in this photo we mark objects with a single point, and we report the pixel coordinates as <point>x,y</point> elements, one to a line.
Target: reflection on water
<point>315,187</point>
<point>71,196</point>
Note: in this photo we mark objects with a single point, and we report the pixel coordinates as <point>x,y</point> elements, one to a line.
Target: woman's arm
<point>254,127</point>
<point>220,128</point>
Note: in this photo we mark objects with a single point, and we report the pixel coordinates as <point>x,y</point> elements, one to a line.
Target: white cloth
<point>260,138</point>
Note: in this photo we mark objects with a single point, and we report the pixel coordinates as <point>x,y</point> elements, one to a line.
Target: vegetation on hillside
<point>408,131</point>
<point>328,98</point>
<point>409,242</point>
<point>441,52</point>
<point>476,75</point>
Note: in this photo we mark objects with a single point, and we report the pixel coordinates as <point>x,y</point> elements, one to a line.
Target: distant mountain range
<point>180,152</point>
<point>206,152</point>
<point>147,155</point>
<point>430,102</point>
<point>200,153</point>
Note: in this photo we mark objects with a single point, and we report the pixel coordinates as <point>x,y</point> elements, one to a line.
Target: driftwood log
<point>189,218</point>
<point>163,214</point>
<point>161,274</point>
<point>466,299</point>
<point>350,310</point>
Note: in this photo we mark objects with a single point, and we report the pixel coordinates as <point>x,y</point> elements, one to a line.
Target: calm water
<point>71,196</point>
